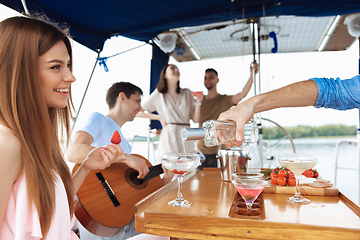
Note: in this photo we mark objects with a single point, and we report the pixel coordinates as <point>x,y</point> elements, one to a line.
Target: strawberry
<point>178,171</point>
<point>308,173</point>
<point>115,138</point>
<point>316,173</point>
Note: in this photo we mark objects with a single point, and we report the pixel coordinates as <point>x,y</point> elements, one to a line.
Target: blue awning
<point>92,22</point>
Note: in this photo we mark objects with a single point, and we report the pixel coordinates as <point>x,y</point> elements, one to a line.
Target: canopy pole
<point>252,24</point>
<point>87,86</point>
<point>261,154</point>
<point>255,28</point>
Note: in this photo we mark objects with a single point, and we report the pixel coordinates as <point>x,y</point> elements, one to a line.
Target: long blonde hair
<point>22,108</point>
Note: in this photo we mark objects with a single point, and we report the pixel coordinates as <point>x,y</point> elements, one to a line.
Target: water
<point>182,166</point>
<point>323,148</point>
<point>215,133</point>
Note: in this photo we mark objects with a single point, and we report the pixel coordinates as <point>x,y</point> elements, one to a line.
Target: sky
<point>276,70</point>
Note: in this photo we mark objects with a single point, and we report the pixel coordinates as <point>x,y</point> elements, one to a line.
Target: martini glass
<point>249,189</point>
<point>248,175</point>
<point>180,163</point>
<point>297,163</point>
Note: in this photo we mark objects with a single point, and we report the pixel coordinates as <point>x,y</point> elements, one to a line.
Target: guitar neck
<point>154,171</point>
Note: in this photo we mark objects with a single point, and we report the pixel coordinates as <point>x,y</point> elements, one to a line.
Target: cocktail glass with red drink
<point>249,189</point>
<point>195,94</point>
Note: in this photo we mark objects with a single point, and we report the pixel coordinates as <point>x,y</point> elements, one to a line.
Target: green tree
<point>302,131</point>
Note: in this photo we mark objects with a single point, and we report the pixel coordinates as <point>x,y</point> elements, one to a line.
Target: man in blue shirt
<point>319,92</point>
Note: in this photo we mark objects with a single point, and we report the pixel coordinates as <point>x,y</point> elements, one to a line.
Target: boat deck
<point>210,216</point>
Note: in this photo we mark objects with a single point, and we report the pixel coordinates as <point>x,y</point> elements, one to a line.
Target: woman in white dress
<point>175,106</point>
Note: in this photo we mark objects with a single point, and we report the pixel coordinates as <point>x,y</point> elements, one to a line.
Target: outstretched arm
<point>237,98</point>
<point>151,116</point>
<point>300,94</point>
<point>196,115</point>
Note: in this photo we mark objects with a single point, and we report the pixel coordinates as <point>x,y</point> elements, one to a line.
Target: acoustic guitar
<point>107,197</point>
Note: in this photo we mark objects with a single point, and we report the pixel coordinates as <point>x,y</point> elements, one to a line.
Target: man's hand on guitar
<point>168,175</point>
<point>102,157</point>
<point>135,163</point>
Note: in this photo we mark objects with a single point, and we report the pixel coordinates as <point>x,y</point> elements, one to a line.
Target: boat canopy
<point>93,22</point>
<point>202,28</point>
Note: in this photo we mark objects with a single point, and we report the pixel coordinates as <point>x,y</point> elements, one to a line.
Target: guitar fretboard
<point>154,171</point>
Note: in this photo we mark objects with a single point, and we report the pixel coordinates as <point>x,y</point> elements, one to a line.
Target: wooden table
<point>208,217</point>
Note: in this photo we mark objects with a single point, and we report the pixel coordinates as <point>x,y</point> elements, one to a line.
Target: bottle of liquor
<point>215,132</point>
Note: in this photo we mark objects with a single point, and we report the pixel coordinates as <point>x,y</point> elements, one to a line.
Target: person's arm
<point>168,175</point>
<point>99,158</point>
<point>196,115</point>
<point>337,93</point>
<point>237,98</point>
<point>10,167</point>
<point>80,147</point>
<point>151,116</point>
<point>300,94</point>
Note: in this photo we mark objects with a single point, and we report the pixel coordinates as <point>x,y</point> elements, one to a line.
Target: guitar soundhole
<point>133,181</point>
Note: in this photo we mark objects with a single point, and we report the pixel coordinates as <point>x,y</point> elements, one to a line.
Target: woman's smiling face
<point>55,75</point>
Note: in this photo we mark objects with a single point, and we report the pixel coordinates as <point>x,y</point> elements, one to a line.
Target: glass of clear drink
<point>180,164</point>
<point>297,163</point>
<point>216,132</point>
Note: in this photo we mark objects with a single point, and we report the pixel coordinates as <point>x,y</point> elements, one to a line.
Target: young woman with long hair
<point>37,190</point>
<point>175,106</point>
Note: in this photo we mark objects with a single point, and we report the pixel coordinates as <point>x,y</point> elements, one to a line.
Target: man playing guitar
<point>124,101</point>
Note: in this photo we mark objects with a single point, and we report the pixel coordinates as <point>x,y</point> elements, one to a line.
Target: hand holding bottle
<point>215,132</point>
<point>241,115</point>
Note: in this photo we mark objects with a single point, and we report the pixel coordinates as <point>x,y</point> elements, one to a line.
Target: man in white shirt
<point>124,101</point>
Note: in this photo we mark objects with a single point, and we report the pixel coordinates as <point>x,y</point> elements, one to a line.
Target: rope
<point>102,60</point>
<point>87,86</point>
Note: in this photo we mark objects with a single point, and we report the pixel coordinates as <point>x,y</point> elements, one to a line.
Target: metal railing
<point>149,139</point>
<point>352,143</point>
<point>284,131</point>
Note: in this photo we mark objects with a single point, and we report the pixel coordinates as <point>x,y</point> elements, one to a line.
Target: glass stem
<point>248,207</point>
<point>297,188</point>
<point>179,194</point>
